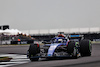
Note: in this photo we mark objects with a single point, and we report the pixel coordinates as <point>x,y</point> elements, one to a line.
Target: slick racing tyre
<point>85,47</point>
<point>33,50</point>
<point>72,50</point>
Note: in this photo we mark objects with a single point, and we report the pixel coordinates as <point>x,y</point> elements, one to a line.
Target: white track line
<point>17,59</point>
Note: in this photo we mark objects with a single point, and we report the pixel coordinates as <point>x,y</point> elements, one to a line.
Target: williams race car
<point>61,46</point>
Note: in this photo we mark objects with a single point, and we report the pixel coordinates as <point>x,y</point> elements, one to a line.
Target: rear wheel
<point>33,50</point>
<point>72,49</point>
<point>85,47</point>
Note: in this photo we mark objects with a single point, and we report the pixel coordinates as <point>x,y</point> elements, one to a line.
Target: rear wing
<point>76,37</point>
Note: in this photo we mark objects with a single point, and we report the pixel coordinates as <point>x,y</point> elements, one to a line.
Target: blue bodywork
<point>74,35</point>
<point>52,49</point>
<point>55,43</point>
<point>58,47</point>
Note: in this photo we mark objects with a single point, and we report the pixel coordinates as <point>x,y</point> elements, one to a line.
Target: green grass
<point>20,44</point>
<point>5,59</point>
<point>13,44</point>
<point>96,42</point>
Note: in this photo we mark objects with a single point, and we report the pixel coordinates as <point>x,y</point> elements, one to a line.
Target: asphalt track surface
<point>92,61</point>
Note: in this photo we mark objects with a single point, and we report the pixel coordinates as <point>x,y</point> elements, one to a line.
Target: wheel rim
<point>90,46</point>
<point>75,52</point>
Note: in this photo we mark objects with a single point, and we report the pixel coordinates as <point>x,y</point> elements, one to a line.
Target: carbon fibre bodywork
<point>74,47</point>
<point>57,48</point>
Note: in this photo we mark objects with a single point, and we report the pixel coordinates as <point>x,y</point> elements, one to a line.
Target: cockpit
<point>59,40</point>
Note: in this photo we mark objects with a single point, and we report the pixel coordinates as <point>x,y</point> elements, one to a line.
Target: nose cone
<point>52,49</point>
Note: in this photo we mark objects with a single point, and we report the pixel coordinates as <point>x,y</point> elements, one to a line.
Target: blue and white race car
<point>61,46</point>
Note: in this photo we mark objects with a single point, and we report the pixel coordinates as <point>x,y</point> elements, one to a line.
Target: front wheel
<point>72,49</point>
<point>34,49</point>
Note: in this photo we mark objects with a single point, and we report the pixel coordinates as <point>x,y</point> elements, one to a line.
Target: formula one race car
<point>61,46</point>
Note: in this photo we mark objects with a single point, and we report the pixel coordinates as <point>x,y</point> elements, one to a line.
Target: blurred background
<point>14,36</point>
